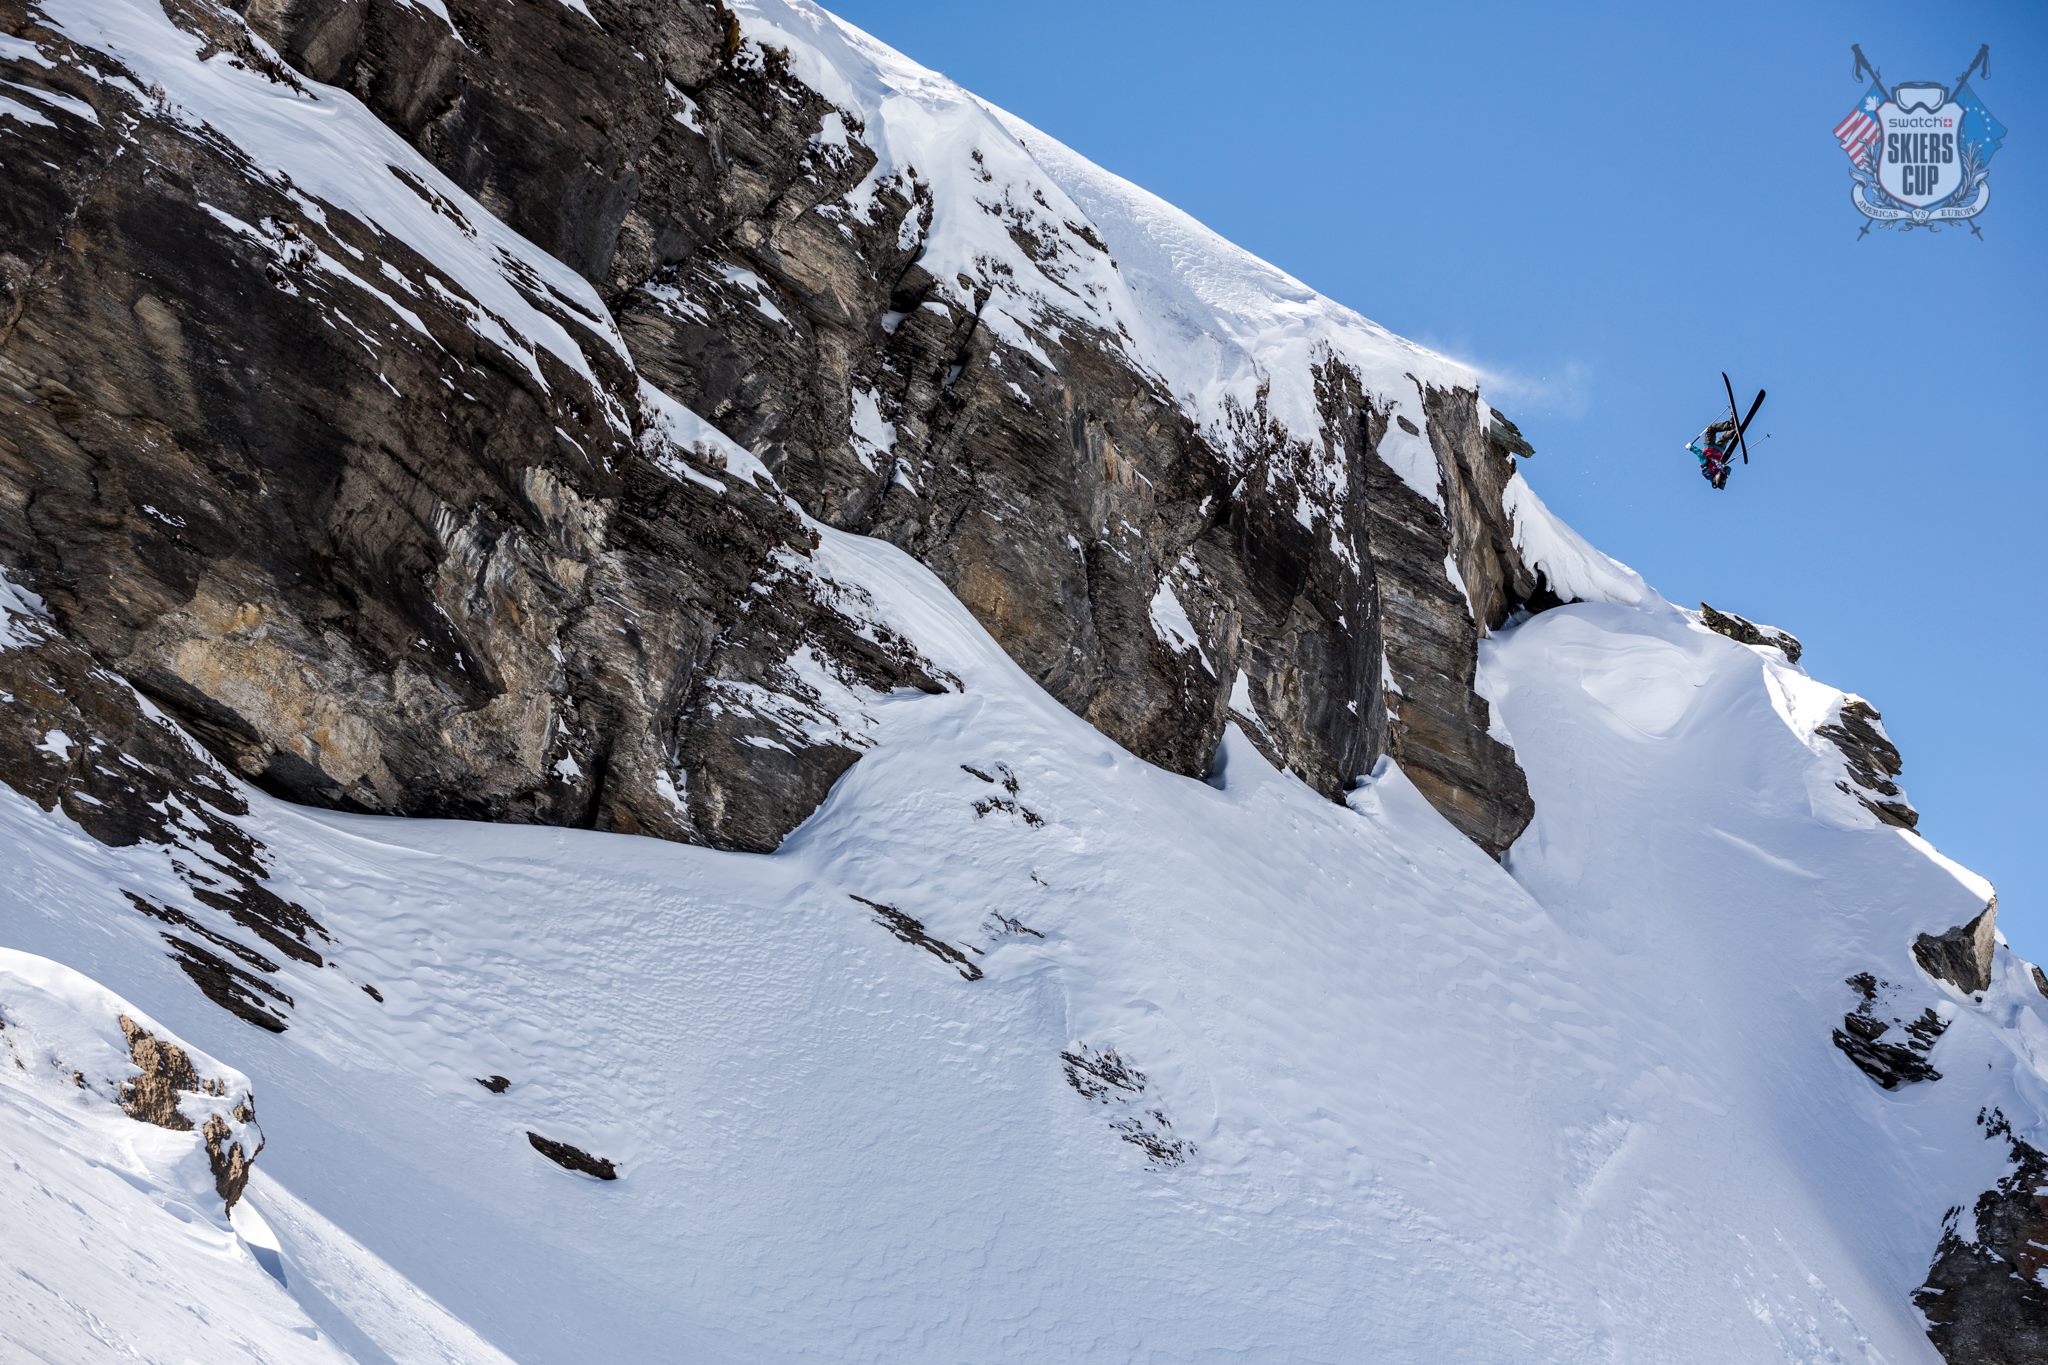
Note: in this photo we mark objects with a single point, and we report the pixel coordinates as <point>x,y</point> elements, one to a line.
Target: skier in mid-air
<point>1713,447</point>
<point>1716,446</point>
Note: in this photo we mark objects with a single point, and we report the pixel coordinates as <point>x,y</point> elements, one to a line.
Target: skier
<point>1713,447</point>
<point>1716,446</point>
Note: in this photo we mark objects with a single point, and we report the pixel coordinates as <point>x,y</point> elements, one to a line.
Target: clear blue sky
<point>1610,208</point>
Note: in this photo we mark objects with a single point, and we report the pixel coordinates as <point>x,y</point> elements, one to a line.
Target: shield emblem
<point>1920,151</point>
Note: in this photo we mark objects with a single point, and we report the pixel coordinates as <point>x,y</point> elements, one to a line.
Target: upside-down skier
<point>1713,447</point>
<point>1716,446</point>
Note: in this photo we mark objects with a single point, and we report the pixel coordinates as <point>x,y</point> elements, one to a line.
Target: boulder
<point>1962,955</point>
<point>158,1092</point>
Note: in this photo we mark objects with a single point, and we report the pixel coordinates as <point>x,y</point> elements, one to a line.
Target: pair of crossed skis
<point>1741,424</point>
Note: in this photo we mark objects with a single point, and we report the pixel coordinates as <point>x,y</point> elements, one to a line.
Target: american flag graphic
<point>1858,133</point>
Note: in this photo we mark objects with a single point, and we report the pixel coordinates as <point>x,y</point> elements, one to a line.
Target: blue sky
<point>1606,209</point>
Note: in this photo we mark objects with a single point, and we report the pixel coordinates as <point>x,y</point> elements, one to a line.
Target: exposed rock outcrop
<point>1446,571</point>
<point>1867,1036</point>
<point>573,1158</point>
<point>157,1094</point>
<point>760,278</point>
<point>64,1033</point>
<point>911,930</point>
<point>437,572</point>
<point>1101,1076</point>
<point>1962,956</point>
<point>1984,1299</point>
<point>440,556</point>
<point>1874,762</point>
<point>1747,632</point>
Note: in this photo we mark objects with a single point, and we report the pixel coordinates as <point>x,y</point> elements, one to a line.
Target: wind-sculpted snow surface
<point>1413,1105</point>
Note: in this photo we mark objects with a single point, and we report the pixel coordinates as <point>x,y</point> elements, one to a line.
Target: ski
<point>1742,431</point>
<point>1741,423</point>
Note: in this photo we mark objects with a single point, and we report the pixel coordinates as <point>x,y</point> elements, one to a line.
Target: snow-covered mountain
<point>763,717</point>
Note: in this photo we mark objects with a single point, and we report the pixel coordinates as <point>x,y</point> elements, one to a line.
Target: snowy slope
<point>115,1234</point>
<point>1421,1107</point>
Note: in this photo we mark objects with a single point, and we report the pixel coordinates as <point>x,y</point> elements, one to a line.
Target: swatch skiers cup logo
<point>1920,153</point>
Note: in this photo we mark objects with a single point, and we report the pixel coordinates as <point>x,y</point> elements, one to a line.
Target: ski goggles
<point>1919,98</point>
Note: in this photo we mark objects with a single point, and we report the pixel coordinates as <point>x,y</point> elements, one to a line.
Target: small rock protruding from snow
<point>1099,1074</point>
<point>911,930</point>
<point>1891,1061</point>
<point>1747,632</point>
<point>573,1158</point>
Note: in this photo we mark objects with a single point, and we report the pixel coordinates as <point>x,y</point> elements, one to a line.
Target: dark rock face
<point>1894,1060</point>
<point>1962,955</point>
<point>1873,760</point>
<point>1056,499</point>
<point>746,292</point>
<point>1432,628</point>
<point>76,738</point>
<point>573,1158</point>
<point>430,575</point>
<point>1747,632</point>
<point>377,554</point>
<point>1984,1300</point>
<point>489,102</point>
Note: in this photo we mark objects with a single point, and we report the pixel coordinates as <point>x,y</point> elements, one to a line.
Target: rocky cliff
<point>402,512</point>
